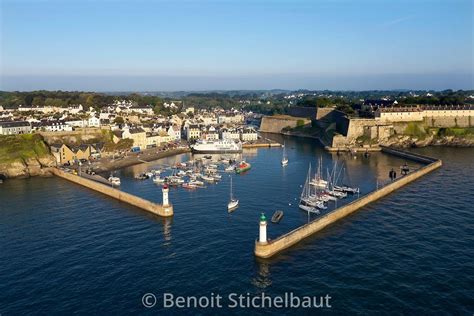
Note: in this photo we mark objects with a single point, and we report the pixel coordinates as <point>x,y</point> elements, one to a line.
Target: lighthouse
<point>263,229</point>
<point>165,191</point>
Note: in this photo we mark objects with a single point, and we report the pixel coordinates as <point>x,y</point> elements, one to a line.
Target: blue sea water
<point>65,249</point>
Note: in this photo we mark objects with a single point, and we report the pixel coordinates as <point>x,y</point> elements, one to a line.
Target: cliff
<point>24,156</point>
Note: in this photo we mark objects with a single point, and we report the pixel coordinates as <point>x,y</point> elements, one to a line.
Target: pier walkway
<point>128,198</point>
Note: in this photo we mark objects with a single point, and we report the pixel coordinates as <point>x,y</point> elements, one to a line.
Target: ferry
<point>242,167</point>
<point>218,146</point>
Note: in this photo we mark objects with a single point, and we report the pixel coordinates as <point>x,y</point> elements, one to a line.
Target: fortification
<point>272,247</point>
<point>274,124</point>
<point>161,210</point>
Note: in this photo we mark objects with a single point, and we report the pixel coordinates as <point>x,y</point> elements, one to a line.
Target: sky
<point>146,45</point>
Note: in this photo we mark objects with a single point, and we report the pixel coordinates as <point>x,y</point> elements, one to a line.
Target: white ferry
<point>218,146</point>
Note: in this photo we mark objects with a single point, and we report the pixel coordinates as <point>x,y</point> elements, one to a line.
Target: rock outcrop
<point>403,141</point>
<point>28,168</point>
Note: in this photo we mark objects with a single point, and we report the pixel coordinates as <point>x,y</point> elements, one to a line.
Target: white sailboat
<point>318,180</point>
<point>233,203</point>
<point>306,202</point>
<point>284,159</point>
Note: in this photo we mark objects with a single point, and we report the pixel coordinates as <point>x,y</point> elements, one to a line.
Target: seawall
<point>274,124</point>
<point>146,205</point>
<point>272,247</point>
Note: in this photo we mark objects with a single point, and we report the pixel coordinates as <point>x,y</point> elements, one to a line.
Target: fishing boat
<point>277,216</point>
<point>233,202</point>
<point>242,167</point>
<point>284,159</point>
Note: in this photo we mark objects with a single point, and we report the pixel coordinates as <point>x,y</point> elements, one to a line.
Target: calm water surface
<point>66,249</point>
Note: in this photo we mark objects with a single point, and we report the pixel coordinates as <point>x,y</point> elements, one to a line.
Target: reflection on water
<point>263,278</point>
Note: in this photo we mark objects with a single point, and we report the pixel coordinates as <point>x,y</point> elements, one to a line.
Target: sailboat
<point>306,203</point>
<point>233,202</point>
<point>284,159</point>
<point>318,180</point>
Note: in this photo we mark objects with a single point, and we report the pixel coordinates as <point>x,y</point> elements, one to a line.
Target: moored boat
<point>242,167</point>
<point>277,216</point>
<point>114,181</point>
<point>233,202</point>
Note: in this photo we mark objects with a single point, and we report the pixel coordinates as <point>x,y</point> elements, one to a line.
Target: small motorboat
<point>208,178</point>
<point>197,183</point>
<point>347,189</point>
<point>277,216</point>
<point>114,181</point>
<point>308,209</point>
<point>157,179</point>
<point>142,176</point>
<point>189,185</point>
<point>230,168</point>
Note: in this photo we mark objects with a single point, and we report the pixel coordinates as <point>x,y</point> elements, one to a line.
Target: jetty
<point>267,248</point>
<point>165,209</point>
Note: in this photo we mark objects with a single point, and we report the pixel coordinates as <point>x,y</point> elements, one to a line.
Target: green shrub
<point>414,129</point>
<point>15,147</point>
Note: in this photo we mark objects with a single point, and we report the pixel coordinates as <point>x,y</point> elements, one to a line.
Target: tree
<point>119,120</point>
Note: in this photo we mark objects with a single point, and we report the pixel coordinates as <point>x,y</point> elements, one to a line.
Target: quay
<point>260,145</point>
<point>267,248</point>
<point>165,209</point>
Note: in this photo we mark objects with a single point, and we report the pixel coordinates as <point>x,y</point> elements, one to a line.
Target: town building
<point>15,127</point>
<point>193,132</point>
<point>65,154</point>
<point>138,135</point>
<point>249,135</point>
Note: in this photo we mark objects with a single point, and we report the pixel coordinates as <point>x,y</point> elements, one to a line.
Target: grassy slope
<point>19,147</point>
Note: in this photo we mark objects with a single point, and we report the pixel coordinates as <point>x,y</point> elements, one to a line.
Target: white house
<point>175,132</point>
<point>230,134</point>
<point>93,121</point>
<point>249,135</point>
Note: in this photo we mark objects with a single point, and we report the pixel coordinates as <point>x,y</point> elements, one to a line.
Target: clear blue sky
<point>202,45</point>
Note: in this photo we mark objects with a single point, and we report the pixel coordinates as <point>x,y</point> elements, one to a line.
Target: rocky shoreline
<point>32,167</point>
<point>403,141</point>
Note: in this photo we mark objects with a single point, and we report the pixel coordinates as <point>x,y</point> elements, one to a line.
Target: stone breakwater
<point>128,198</point>
<point>273,247</point>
